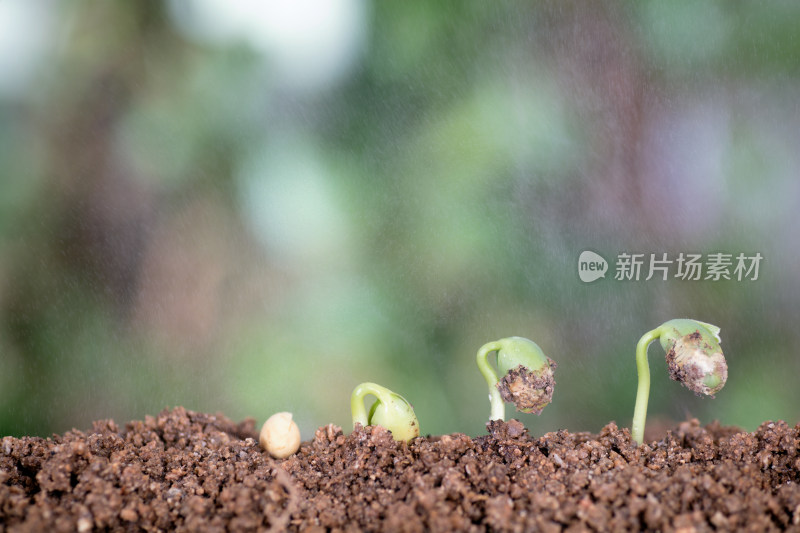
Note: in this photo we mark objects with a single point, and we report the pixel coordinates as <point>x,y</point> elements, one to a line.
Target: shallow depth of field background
<point>252,207</point>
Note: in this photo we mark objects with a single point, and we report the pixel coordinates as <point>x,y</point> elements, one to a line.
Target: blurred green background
<point>251,207</point>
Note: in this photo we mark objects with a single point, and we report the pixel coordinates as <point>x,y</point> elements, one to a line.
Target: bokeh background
<point>249,207</point>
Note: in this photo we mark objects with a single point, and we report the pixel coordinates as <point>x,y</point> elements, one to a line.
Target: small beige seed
<point>280,436</point>
<point>84,524</point>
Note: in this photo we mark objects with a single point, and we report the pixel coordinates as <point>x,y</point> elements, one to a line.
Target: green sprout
<point>694,358</point>
<point>527,380</point>
<point>390,411</point>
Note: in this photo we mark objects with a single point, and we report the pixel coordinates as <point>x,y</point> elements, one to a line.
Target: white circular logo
<point>591,266</point>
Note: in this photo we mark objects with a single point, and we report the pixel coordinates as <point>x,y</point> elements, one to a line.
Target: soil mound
<point>191,471</point>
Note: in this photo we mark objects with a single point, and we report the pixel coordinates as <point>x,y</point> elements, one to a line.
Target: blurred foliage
<point>198,221</point>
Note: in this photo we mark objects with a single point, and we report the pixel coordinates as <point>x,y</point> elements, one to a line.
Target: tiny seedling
<point>527,380</point>
<point>694,358</point>
<point>390,411</point>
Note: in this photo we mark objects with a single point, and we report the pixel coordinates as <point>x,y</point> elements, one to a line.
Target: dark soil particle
<point>189,471</point>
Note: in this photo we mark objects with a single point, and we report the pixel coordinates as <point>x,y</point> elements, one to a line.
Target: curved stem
<point>643,392</point>
<point>498,406</point>
<point>357,408</point>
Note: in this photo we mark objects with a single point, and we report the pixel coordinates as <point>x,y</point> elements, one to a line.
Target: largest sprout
<point>694,358</point>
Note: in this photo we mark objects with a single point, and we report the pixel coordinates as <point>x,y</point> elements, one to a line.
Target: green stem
<point>489,374</point>
<point>357,408</point>
<point>643,392</point>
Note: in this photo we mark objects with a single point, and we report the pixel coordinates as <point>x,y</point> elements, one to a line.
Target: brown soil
<point>196,472</point>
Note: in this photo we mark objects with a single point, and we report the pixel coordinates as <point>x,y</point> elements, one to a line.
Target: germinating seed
<point>280,436</point>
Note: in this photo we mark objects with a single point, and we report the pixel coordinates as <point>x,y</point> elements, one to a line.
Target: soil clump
<point>190,471</point>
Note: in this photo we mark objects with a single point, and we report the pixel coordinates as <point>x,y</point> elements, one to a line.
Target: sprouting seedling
<point>390,411</point>
<point>694,358</point>
<point>527,380</point>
